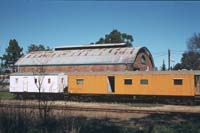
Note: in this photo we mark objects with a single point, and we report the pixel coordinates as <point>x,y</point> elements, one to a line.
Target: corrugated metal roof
<point>82,56</point>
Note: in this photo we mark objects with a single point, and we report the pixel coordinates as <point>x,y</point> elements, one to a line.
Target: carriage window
<point>62,80</point>
<point>178,81</point>
<point>79,81</point>
<point>144,81</point>
<point>128,81</point>
<point>16,80</point>
<point>35,81</point>
<point>49,81</point>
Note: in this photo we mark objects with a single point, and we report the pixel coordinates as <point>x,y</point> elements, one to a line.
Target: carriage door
<point>197,84</point>
<point>25,84</point>
<point>111,83</point>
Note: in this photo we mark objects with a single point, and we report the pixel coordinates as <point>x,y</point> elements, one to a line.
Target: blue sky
<point>156,25</point>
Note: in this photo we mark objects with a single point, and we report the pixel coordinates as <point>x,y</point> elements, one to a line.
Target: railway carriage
<point>29,84</point>
<point>163,84</point>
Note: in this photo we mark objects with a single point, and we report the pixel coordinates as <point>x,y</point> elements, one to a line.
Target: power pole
<point>169,54</point>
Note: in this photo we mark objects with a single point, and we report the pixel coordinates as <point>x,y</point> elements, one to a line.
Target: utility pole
<point>169,54</point>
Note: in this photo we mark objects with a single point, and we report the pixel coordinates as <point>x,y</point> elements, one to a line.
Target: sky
<point>157,25</point>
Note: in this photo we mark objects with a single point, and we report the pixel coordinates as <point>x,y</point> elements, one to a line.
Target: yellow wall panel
<point>158,84</point>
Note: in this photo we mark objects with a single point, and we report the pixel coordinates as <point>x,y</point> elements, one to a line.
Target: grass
<point>6,96</point>
<point>29,121</point>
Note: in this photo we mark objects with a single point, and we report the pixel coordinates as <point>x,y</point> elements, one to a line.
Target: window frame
<point>128,83</point>
<point>144,81</point>
<point>79,81</point>
<point>143,60</point>
<point>35,80</point>
<point>62,80</point>
<point>16,80</point>
<point>49,80</point>
<point>177,81</point>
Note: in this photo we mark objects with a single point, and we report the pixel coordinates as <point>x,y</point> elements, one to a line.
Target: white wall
<point>27,83</point>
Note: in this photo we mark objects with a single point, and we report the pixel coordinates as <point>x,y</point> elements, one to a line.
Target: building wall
<point>78,68</point>
<point>137,65</point>
<point>142,67</point>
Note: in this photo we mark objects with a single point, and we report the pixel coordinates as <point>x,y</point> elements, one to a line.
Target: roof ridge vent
<point>91,46</point>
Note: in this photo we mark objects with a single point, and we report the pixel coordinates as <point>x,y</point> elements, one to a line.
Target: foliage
<point>22,120</point>
<point>34,47</point>
<point>13,53</point>
<point>6,96</point>
<point>178,66</point>
<point>163,68</point>
<point>193,43</point>
<point>191,58</point>
<point>116,37</point>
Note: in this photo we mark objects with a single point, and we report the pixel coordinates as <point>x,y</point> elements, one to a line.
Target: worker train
<point>183,85</point>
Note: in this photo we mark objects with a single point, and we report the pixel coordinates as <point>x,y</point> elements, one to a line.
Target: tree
<point>191,58</point>
<point>178,66</point>
<point>116,37</point>
<point>193,43</point>
<point>34,47</point>
<point>163,68</point>
<point>13,53</point>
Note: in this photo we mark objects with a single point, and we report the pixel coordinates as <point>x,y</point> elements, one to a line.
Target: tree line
<point>190,58</point>
<point>13,52</point>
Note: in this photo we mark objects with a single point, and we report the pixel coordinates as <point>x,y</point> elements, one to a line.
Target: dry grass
<point>158,107</point>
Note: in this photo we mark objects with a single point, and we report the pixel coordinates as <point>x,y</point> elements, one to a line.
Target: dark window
<point>62,80</point>
<point>111,80</point>
<point>35,81</point>
<point>49,81</point>
<point>79,81</point>
<point>128,81</point>
<point>16,80</point>
<point>143,60</point>
<point>144,81</point>
<point>178,81</point>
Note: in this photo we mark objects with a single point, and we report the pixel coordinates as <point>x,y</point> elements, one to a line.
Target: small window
<point>79,81</point>
<point>143,60</point>
<point>178,81</point>
<point>62,80</point>
<point>49,80</point>
<point>35,81</point>
<point>16,80</point>
<point>144,81</point>
<point>128,81</point>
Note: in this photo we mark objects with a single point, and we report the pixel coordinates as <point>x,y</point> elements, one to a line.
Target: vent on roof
<point>92,46</point>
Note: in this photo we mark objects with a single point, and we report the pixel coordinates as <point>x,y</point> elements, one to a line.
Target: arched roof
<point>122,55</point>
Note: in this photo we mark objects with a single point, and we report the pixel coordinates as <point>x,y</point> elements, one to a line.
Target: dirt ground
<point>135,106</point>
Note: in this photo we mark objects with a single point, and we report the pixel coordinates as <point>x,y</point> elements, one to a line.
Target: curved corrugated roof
<point>82,56</point>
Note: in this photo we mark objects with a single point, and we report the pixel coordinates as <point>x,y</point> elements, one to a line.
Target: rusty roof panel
<point>81,56</point>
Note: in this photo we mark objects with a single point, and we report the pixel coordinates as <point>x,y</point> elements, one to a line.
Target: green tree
<point>163,67</point>
<point>34,47</point>
<point>116,37</point>
<point>193,43</point>
<point>13,53</point>
<point>191,58</point>
<point>178,66</point>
